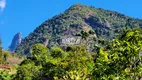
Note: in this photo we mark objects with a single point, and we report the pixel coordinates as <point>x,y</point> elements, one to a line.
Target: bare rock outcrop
<point>17,39</point>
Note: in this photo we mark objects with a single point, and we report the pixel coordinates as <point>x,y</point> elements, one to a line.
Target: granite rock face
<point>17,39</point>
<point>70,40</point>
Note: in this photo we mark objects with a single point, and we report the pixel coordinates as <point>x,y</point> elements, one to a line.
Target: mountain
<point>80,24</point>
<point>15,42</point>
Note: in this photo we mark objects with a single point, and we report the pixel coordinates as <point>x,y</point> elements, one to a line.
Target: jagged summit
<point>78,21</point>
<point>15,42</point>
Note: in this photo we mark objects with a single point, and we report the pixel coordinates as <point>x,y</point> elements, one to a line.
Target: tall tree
<point>121,60</point>
<point>73,63</point>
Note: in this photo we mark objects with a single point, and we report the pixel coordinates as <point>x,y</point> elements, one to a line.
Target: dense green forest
<point>120,60</point>
<point>90,23</point>
<point>83,43</point>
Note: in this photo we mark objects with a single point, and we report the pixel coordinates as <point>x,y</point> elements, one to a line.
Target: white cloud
<point>2,4</point>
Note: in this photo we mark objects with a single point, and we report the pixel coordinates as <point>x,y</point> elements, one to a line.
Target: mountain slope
<point>78,22</point>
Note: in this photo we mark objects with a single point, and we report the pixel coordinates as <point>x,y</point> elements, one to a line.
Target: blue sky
<point>25,15</point>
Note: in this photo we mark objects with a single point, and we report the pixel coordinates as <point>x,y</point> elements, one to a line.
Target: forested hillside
<point>120,60</point>
<point>93,25</point>
<point>83,43</point>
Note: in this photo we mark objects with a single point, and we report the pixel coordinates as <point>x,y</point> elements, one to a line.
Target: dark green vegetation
<point>95,24</point>
<point>110,48</point>
<point>57,64</point>
<point>120,60</point>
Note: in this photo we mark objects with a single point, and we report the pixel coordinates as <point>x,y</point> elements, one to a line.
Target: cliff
<point>15,42</point>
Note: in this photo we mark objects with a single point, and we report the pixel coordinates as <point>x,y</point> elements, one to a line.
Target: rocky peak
<point>15,42</point>
<point>77,6</point>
